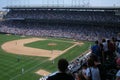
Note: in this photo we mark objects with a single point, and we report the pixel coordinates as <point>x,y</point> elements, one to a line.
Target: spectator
<point>92,72</point>
<point>111,49</point>
<point>78,32</point>
<point>118,75</point>
<point>62,75</point>
<point>118,72</point>
<point>105,49</point>
<point>102,53</point>
<point>95,49</point>
<point>82,73</point>
<point>98,64</point>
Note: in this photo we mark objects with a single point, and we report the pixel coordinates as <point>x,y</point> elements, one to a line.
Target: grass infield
<point>44,44</point>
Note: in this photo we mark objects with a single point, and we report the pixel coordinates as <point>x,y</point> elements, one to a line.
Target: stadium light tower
<point>73,3</point>
<point>47,3</point>
<point>28,3</point>
<point>57,3</point>
<point>114,5</point>
<point>85,3</point>
<point>63,3</point>
<point>79,3</point>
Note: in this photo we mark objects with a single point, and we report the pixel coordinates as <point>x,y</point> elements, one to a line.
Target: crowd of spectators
<point>87,16</point>
<point>79,32</point>
<point>104,62</point>
<point>92,66</point>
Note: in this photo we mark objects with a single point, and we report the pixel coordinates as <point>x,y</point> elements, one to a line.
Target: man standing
<point>96,50</point>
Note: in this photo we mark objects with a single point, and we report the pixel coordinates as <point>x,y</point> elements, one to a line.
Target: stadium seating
<point>72,31</point>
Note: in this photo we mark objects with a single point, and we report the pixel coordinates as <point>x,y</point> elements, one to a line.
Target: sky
<point>61,3</point>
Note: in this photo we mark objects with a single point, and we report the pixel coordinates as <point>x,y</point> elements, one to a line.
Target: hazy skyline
<point>63,3</point>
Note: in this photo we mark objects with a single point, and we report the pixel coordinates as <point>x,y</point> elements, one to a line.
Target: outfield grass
<point>10,68</point>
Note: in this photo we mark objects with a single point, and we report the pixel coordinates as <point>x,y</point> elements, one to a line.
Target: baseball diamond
<point>15,56</point>
<point>36,41</point>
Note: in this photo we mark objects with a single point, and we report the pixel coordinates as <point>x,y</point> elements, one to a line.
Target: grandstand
<point>87,24</point>
<point>62,22</point>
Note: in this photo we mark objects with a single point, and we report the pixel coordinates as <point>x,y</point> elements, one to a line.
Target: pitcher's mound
<point>52,44</point>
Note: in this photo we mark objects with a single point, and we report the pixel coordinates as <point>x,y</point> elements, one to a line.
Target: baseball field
<point>29,58</point>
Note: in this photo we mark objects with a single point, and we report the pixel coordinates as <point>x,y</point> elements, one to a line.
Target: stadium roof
<point>79,8</point>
